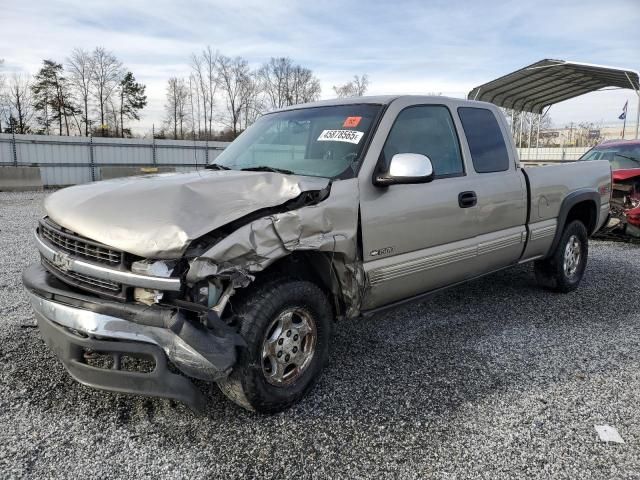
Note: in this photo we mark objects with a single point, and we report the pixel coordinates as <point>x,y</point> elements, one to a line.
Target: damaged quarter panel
<point>159,218</point>
<point>330,226</point>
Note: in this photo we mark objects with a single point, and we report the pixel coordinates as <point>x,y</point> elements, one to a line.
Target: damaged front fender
<point>330,226</point>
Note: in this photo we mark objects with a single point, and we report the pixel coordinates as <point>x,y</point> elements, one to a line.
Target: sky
<point>404,46</point>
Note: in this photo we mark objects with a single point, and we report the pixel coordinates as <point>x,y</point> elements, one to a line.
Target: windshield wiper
<point>627,157</point>
<point>216,166</point>
<point>265,168</point>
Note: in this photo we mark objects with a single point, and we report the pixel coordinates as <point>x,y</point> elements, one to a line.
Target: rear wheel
<point>563,270</point>
<point>287,327</point>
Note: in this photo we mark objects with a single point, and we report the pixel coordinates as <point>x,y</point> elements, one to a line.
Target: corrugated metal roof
<point>546,82</point>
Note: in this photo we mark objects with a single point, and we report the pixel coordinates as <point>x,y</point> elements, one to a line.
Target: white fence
<point>71,160</point>
<point>551,154</point>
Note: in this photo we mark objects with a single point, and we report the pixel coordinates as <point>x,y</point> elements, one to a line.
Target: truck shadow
<point>490,336</point>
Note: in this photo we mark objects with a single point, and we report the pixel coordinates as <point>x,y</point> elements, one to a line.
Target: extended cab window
<point>427,130</point>
<point>486,143</point>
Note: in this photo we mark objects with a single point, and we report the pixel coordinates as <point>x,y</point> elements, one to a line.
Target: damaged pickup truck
<point>317,213</point>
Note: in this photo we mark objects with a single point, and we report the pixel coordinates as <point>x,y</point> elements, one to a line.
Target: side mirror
<point>406,168</point>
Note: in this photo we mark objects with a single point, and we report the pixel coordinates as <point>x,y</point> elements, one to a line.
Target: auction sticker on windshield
<point>350,136</point>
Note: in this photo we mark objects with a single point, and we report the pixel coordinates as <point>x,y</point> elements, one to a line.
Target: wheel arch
<point>583,205</point>
<point>313,266</point>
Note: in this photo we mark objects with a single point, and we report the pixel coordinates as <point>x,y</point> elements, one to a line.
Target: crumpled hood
<point>156,216</point>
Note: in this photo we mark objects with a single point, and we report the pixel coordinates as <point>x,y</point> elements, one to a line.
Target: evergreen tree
<point>52,100</point>
<point>132,99</point>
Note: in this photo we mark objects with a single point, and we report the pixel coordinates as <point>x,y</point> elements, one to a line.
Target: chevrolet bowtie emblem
<point>61,260</point>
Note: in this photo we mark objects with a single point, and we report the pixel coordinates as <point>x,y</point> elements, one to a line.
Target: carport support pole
<point>520,132</point>
<point>538,137</point>
<point>638,114</point>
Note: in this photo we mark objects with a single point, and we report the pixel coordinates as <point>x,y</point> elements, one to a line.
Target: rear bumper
<point>72,323</point>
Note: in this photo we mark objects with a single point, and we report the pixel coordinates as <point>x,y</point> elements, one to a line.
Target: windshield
<point>319,141</point>
<point>619,156</point>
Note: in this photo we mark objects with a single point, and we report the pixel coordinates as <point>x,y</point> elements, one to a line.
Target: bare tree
<point>80,67</point>
<point>284,83</point>
<point>233,75</point>
<point>306,87</point>
<point>194,104</point>
<point>205,83</point>
<point>251,103</point>
<point>274,76</point>
<point>525,126</point>
<point>202,91</point>
<point>176,107</point>
<point>19,103</point>
<point>355,88</point>
<point>106,74</point>
<point>112,118</point>
<point>210,59</point>
<point>588,134</point>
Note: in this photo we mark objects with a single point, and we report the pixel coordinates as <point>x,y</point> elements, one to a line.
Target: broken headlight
<point>155,268</point>
<point>208,292</point>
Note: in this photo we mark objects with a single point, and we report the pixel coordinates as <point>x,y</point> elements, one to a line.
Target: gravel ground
<point>493,379</point>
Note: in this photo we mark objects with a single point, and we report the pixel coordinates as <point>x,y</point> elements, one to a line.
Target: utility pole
<point>571,133</point>
<point>154,158</point>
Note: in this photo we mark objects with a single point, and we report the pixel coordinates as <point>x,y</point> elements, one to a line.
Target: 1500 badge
<point>381,251</point>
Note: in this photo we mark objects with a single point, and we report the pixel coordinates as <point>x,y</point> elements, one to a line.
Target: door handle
<point>467,199</point>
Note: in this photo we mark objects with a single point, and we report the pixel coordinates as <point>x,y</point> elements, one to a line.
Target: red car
<point>624,157</point>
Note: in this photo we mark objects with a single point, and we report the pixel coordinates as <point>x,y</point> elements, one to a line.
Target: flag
<point>623,115</point>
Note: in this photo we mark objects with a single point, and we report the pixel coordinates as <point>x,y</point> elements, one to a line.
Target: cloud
<point>406,46</point>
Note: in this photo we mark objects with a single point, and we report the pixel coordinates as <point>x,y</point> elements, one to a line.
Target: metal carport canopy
<point>546,82</point>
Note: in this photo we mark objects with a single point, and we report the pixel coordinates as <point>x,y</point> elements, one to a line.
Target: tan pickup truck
<point>317,213</point>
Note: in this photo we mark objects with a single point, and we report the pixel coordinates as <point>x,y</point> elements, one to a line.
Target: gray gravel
<point>494,379</point>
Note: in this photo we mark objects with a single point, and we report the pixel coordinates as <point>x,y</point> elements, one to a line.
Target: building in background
<point>582,135</point>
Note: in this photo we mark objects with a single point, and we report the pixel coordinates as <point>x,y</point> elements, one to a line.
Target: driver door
<point>418,237</point>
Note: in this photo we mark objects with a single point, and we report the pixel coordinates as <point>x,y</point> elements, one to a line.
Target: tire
<point>553,273</point>
<point>260,383</point>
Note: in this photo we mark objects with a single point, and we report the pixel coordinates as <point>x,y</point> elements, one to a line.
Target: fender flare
<point>567,204</point>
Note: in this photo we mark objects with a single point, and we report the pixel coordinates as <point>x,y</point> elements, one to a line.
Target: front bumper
<point>73,324</point>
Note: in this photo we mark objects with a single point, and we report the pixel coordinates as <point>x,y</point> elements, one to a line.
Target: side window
<point>486,143</point>
<point>427,130</point>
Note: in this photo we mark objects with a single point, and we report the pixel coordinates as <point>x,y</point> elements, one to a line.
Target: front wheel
<point>287,327</point>
<point>563,270</point>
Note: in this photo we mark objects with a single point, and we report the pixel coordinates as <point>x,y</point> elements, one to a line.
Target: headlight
<point>155,268</point>
<point>209,292</point>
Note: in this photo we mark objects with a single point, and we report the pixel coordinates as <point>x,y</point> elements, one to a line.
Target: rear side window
<point>486,143</point>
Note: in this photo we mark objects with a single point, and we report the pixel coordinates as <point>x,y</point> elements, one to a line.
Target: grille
<point>96,285</point>
<point>79,246</point>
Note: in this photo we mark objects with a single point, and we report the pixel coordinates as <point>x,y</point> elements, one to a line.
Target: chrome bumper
<point>100,326</point>
<point>72,323</point>
<point>66,262</point>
